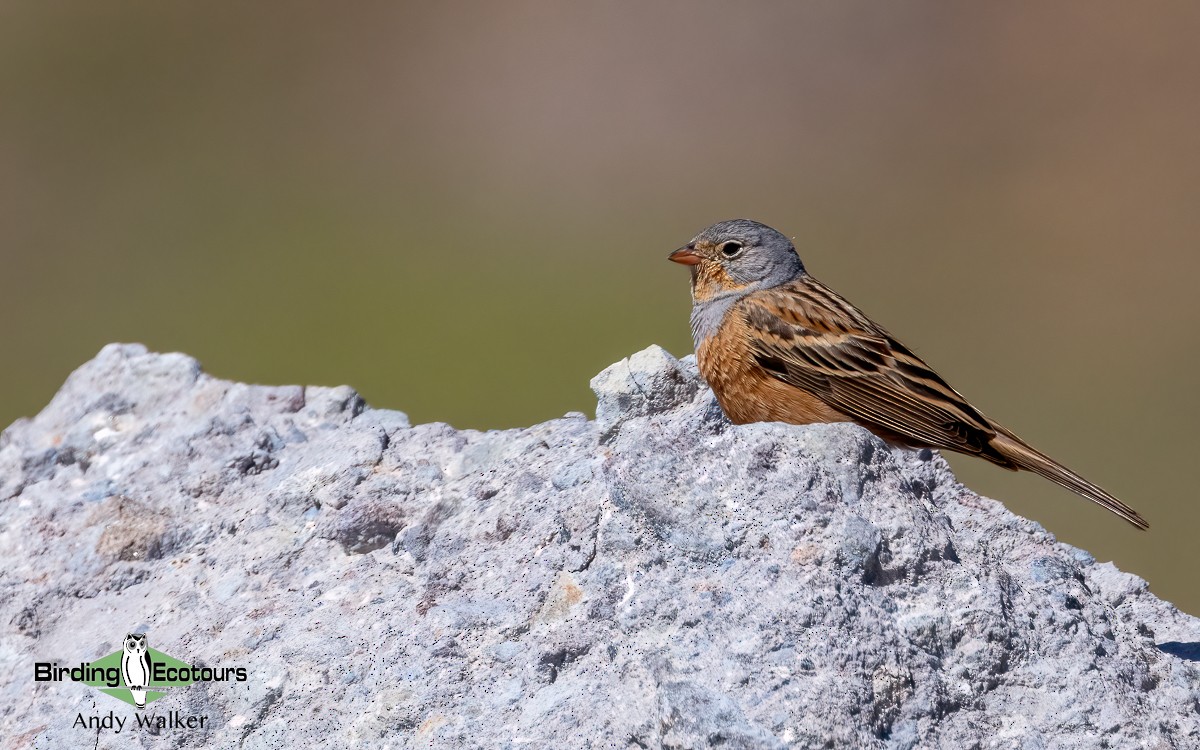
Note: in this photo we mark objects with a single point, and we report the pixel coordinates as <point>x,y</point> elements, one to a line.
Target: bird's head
<point>738,255</point>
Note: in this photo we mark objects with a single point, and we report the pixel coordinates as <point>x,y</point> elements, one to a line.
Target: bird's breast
<point>746,391</point>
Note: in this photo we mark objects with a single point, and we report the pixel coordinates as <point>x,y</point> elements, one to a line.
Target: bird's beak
<point>685,255</point>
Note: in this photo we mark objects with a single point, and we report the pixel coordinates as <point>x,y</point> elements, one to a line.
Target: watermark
<point>138,675</point>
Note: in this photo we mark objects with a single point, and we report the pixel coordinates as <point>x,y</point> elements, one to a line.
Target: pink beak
<point>685,255</point>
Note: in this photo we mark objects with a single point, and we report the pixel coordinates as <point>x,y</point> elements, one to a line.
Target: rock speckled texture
<point>656,578</point>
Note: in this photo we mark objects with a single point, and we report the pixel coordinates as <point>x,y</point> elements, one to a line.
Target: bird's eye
<point>731,249</point>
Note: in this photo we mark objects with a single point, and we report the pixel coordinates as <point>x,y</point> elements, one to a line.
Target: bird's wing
<point>806,335</point>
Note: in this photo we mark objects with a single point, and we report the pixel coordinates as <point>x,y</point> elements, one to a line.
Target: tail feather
<point>1025,457</point>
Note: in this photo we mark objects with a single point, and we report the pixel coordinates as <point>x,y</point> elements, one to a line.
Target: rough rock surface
<point>657,578</point>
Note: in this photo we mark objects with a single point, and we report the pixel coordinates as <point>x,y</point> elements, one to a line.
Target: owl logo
<point>135,666</point>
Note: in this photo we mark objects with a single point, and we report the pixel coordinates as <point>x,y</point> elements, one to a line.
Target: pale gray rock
<point>656,578</point>
<point>649,382</point>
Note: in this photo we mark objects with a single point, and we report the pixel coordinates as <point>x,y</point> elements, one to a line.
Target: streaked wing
<point>811,338</point>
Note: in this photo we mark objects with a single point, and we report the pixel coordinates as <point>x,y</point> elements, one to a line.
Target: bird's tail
<point>1025,457</point>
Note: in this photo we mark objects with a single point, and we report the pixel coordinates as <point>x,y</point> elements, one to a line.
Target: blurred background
<point>464,209</point>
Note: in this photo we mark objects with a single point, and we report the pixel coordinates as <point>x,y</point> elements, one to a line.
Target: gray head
<point>730,260</point>
<point>739,255</point>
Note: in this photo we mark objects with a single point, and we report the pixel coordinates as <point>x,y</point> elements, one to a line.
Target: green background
<point>463,210</point>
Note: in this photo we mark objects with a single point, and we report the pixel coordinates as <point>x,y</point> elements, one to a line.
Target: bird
<point>777,345</point>
<point>136,667</point>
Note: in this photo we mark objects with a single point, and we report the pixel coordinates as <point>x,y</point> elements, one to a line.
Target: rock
<point>649,382</point>
<point>655,578</point>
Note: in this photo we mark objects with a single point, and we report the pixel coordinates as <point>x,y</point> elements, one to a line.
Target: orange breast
<point>747,392</point>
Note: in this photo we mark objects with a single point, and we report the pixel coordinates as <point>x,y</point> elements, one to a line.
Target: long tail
<point>1025,457</point>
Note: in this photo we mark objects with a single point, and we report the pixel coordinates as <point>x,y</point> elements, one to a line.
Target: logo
<point>138,675</point>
